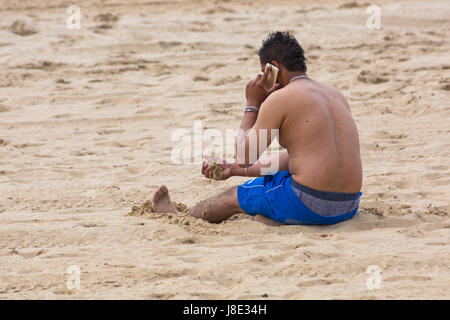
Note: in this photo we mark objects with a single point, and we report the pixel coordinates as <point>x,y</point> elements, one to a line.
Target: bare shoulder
<point>300,94</point>
<point>333,89</point>
<point>284,97</point>
<point>337,94</point>
<point>278,95</point>
<point>276,100</point>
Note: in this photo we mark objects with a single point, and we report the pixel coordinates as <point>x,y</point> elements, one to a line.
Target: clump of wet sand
<point>147,208</point>
<point>216,171</point>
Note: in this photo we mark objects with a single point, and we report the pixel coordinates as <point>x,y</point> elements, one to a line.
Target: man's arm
<point>255,170</point>
<point>255,93</point>
<point>248,120</point>
<point>250,145</point>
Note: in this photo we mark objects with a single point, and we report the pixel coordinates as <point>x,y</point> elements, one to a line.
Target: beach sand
<point>86,118</point>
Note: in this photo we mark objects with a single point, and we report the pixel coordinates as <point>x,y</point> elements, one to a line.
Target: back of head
<point>285,49</point>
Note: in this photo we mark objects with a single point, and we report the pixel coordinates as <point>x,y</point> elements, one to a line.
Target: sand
<point>86,118</point>
<point>216,170</point>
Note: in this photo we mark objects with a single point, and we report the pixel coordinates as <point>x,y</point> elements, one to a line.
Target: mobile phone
<point>272,77</point>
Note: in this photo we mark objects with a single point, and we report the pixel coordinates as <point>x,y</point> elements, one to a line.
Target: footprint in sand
<point>315,255</point>
<point>62,116</point>
<point>304,244</point>
<point>42,65</point>
<point>200,78</point>
<point>3,142</point>
<point>218,9</point>
<point>106,17</point>
<point>222,108</point>
<point>23,27</point>
<point>437,243</point>
<point>213,67</point>
<point>92,225</point>
<point>439,167</point>
<point>147,110</point>
<point>201,26</point>
<point>83,153</point>
<point>352,4</point>
<point>412,278</point>
<point>318,282</point>
<point>408,99</point>
<point>27,253</point>
<point>114,144</point>
<point>169,44</point>
<point>6,83</point>
<point>161,69</point>
<point>386,135</point>
<point>434,176</point>
<point>109,131</point>
<point>370,77</point>
<point>228,79</point>
<point>107,21</point>
<point>135,170</point>
<point>4,108</point>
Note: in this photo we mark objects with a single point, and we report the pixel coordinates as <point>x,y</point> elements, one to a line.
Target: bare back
<point>321,137</point>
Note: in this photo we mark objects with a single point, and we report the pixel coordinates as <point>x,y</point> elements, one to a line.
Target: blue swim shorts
<point>281,198</point>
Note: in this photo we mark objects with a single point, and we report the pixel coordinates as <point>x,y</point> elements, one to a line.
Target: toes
<point>156,197</point>
<point>164,190</point>
<point>160,193</point>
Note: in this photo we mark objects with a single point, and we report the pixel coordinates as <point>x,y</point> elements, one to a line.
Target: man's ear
<point>276,64</point>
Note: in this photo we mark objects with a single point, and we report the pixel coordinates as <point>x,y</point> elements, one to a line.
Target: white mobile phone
<point>272,77</point>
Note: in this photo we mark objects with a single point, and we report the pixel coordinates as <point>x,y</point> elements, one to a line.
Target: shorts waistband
<point>326,195</point>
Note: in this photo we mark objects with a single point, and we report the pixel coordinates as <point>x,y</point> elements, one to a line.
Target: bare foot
<point>161,201</point>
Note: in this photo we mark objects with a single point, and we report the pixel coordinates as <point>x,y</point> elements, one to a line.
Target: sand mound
<point>146,208</point>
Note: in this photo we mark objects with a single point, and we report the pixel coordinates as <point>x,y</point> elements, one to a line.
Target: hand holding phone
<point>271,77</point>
<point>259,89</point>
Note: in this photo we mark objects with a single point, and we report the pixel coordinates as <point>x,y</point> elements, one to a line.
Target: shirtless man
<point>320,175</point>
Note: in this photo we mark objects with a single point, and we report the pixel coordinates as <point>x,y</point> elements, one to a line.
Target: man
<point>320,175</point>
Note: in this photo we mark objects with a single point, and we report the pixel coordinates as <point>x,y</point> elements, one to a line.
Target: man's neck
<point>290,75</point>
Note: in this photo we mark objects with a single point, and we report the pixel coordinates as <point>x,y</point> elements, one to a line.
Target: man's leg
<point>214,209</point>
<point>219,207</point>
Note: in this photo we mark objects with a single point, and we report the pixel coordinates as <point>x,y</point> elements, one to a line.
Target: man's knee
<point>222,206</point>
<point>232,198</point>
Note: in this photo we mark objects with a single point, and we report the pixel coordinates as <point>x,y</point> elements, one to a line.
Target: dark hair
<point>284,48</point>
